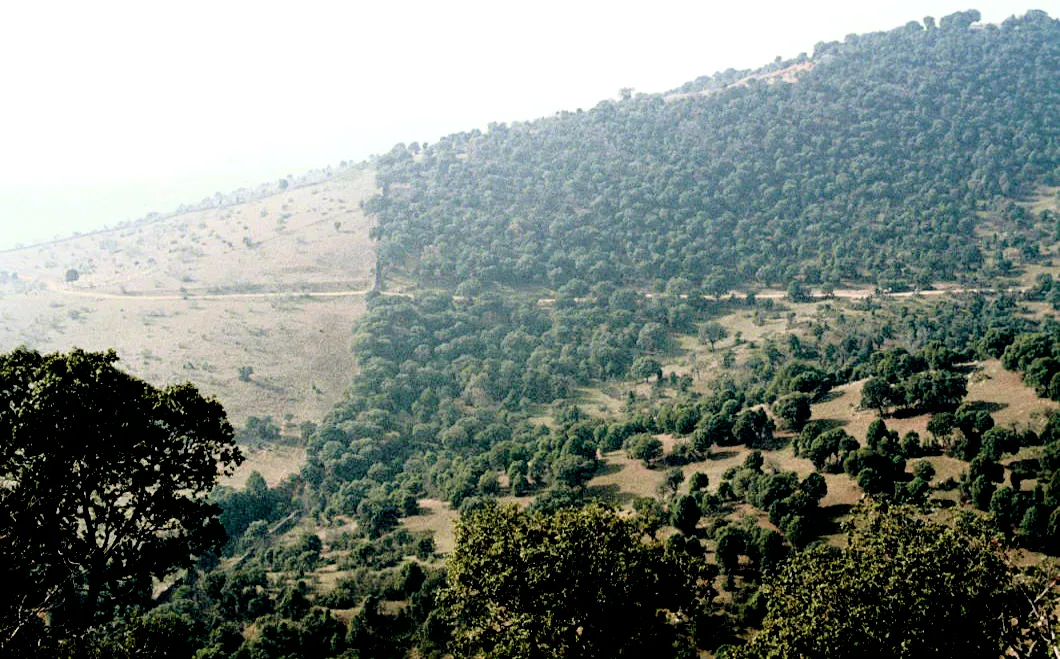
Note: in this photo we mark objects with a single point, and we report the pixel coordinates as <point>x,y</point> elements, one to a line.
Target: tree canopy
<point>103,480</point>
<point>902,587</point>
<point>871,167</point>
<point>576,583</point>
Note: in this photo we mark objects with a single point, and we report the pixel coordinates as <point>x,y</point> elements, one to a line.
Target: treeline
<point>873,167</point>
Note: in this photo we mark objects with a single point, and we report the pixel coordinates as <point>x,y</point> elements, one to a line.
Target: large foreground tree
<point>902,587</point>
<point>576,583</point>
<point>103,484</point>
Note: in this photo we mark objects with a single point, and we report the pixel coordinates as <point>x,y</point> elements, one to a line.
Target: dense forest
<point>872,167</point>
<point>567,314</point>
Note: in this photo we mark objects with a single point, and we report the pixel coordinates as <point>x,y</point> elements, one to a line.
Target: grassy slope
<point>129,297</point>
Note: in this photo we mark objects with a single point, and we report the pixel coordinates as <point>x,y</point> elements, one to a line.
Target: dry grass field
<point>1018,404</point>
<point>438,518</point>
<point>273,463</point>
<point>274,284</point>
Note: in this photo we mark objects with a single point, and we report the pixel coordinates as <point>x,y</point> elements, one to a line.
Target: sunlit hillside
<point>274,285</point>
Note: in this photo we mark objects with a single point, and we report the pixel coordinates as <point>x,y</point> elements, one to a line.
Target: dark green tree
<point>685,514</point>
<point>878,394</point>
<point>902,587</point>
<point>645,367</point>
<point>793,410</point>
<point>578,583</point>
<point>645,447</point>
<point>105,484</point>
<point>754,428</point>
<point>698,482</point>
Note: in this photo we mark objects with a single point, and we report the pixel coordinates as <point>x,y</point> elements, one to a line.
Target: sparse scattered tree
<point>712,332</point>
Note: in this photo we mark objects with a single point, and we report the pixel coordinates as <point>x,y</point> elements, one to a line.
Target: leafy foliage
<point>871,167</point>
<point>575,584</point>
<point>902,587</point>
<point>104,483</point>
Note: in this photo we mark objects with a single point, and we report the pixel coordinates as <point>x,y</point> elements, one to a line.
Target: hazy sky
<point>113,109</point>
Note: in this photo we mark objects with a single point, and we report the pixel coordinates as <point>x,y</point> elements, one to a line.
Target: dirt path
<point>844,294</point>
<point>294,291</point>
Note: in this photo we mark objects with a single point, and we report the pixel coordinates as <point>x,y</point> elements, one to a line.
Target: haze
<point>117,109</point>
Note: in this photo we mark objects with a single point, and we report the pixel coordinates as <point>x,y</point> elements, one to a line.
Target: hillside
<point>274,284</point>
<point>871,162</point>
<point>645,365</point>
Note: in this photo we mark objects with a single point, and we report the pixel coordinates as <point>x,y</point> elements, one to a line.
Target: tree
<point>674,478</point>
<point>712,333</point>
<point>685,514</point>
<point>877,436</point>
<point>935,390</point>
<point>825,447</point>
<point>903,587</point>
<point>923,470</point>
<point>794,410</point>
<point>577,583</point>
<point>878,394</point>
<point>754,429</point>
<point>652,338</point>
<point>699,482</point>
<point>714,430</point>
<point>644,367</point>
<point>105,484</point>
<point>941,425</point>
<point>643,446</point>
<point>798,293</point>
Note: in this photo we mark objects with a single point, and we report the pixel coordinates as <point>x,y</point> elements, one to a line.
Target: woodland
<point>533,270</point>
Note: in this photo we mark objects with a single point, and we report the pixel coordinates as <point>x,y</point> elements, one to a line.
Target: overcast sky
<point>111,110</point>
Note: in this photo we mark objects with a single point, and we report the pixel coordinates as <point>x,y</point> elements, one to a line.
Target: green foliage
<point>792,505</point>
<point>731,187</point>
<point>794,410</point>
<point>105,483</point>
<point>255,502</point>
<point>828,449</point>
<point>905,380</point>
<point>698,482</point>
<point>575,584</point>
<point>685,514</point>
<point>259,431</point>
<point>878,394</point>
<point>712,333</point>
<point>753,428</point>
<point>1037,355</point>
<point>644,447</point>
<point>923,470</point>
<point>902,587</point>
<point>645,367</point>
<point>445,389</point>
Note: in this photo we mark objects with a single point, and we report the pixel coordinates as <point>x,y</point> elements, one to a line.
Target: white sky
<point>113,109</point>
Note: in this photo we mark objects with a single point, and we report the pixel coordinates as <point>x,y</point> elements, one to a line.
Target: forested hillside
<point>874,166</point>
<point>565,436</point>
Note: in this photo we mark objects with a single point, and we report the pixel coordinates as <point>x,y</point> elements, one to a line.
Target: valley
<point>764,366</point>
